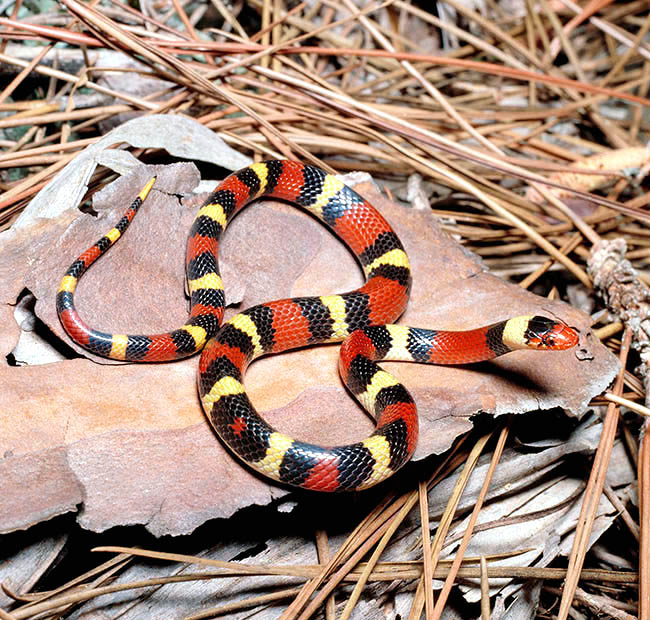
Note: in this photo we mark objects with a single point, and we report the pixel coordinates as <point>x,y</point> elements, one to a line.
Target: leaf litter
<point>135,460</point>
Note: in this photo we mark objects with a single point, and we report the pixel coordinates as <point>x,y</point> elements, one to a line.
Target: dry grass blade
<point>568,247</point>
<point>446,588</point>
<point>362,539</point>
<point>593,491</point>
<point>374,558</point>
<point>403,93</point>
<point>417,133</point>
<point>626,402</point>
<point>61,601</point>
<point>182,71</point>
<point>230,567</point>
<point>644,522</point>
<point>426,548</point>
<point>249,603</point>
<point>485,591</point>
<point>383,571</point>
<point>493,69</point>
<point>353,558</point>
<point>434,92</point>
<point>395,512</point>
<point>471,188</point>
<point>322,545</point>
<point>590,9</point>
<point>11,87</point>
<point>73,79</point>
<point>445,522</point>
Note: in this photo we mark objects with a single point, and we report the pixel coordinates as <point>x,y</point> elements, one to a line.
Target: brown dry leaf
<point>128,444</point>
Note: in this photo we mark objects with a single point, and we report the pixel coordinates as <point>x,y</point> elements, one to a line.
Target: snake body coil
<point>362,318</point>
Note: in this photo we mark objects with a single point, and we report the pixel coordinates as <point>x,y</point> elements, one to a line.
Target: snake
<point>362,319</point>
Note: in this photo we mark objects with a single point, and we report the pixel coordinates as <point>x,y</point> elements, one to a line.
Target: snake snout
<point>565,337</point>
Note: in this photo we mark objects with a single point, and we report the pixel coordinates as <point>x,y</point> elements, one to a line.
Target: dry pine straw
<point>392,108</point>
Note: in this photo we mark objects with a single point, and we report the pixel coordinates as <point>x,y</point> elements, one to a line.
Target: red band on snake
<point>361,318</point>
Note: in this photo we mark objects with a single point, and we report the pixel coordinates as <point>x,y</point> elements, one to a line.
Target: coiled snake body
<point>361,318</point>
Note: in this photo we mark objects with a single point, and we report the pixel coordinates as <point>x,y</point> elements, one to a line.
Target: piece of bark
<point>134,437</point>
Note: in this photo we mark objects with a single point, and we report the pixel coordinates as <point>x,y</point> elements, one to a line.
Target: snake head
<point>544,333</point>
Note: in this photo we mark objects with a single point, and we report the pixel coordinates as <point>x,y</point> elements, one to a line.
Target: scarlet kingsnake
<point>362,318</point>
